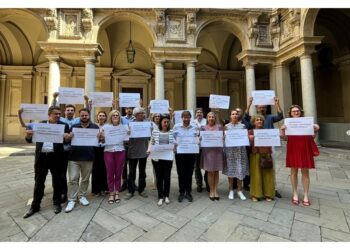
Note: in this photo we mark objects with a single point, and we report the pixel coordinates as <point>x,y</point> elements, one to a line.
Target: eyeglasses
<point>295,111</point>
<point>115,115</point>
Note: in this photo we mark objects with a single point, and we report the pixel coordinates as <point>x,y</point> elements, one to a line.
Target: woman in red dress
<point>301,150</point>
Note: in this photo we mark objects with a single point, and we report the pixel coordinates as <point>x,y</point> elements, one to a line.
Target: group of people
<point>113,167</point>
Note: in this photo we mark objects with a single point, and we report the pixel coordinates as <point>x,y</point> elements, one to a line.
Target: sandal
<point>111,199</point>
<point>254,199</point>
<point>295,202</point>
<point>306,203</point>
<point>116,199</point>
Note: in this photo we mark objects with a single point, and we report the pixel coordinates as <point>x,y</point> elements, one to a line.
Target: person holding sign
<point>301,150</point>
<point>262,184</point>
<point>114,157</point>
<point>137,156</point>
<point>99,175</point>
<point>212,158</point>
<point>48,156</point>
<point>162,135</point>
<point>185,160</point>
<point>80,162</point>
<point>236,159</point>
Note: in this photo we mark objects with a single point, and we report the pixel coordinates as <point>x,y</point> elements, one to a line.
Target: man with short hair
<point>137,155</point>
<point>80,164</point>
<point>48,156</point>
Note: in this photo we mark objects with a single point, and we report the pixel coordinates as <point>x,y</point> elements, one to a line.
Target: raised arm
<point>20,111</point>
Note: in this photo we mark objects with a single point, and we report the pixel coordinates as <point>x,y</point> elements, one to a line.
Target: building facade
<point>182,55</point>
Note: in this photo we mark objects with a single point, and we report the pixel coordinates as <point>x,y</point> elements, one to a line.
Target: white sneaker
<point>160,202</point>
<point>241,195</point>
<point>167,201</point>
<point>83,201</point>
<point>231,195</point>
<point>70,206</point>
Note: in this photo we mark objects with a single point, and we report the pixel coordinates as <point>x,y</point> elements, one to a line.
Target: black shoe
<point>199,189</point>
<point>57,209</point>
<point>180,198</point>
<point>189,197</point>
<point>64,199</point>
<point>247,189</point>
<point>212,198</point>
<point>277,194</point>
<point>30,212</point>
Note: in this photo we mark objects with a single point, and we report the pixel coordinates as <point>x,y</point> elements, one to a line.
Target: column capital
<point>158,62</point>
<point>89,59</point>
<point>305,55</point>
<point>53,58</point>
<point>3,77</point>
<point>190,63</point>
<point>249,65</point>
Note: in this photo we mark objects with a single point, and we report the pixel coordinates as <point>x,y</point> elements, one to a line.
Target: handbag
<point>266,161</point>
<point>314,148</point>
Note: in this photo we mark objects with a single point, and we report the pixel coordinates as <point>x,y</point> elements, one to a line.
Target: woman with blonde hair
<point>212,158</point>
<point>262,182</point>
<point>301,150</point>
<point>114,156</point>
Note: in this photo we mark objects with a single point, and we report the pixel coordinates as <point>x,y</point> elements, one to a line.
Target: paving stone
<point>334,204</point>
<point>302,231</point>
<point>20,237</point>
<point>267,227</point>
<point>249,212</point>
<point>287,204</point>
<point>334,235</point>
<point>265,237</point>
<point>212,213</point>
<point>141,220</point>
<point>160,233</point>
<point>109,221</point>
<point>128,234</point>
<point>344,198</point>
<point>223,227</point>
<point>327,240</point>
<point>190,232</point>
<point>8,226</point>
<point>127,207</point>
<point>243,233</point>
<point>172,219</point>
<point>194,208</point>
<point>281,217</point>
<point>95,233</point>
<point>338,173</point>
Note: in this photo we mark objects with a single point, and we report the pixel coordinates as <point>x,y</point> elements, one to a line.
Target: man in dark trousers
<point>48,156</point>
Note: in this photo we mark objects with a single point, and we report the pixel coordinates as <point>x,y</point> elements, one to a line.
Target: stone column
<point>280,82</point>
<point>54,76</point>
<point>159,80</point>
<point>2,105</point>
<point>191,86</point>
<point>250,83</point>
<point>308,86</point>
<point>90,79</point>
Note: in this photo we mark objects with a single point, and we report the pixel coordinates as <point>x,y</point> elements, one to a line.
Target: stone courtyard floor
<point>141,220</point>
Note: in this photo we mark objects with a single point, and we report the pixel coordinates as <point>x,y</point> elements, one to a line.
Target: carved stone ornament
<point>253,30</point>
<point>51,19</point>
<point>160,21</point>
<point>70,24</point>
<point>87,19</point>
<point>191,22</point>
<point>175,29</point>
<point>264,37</point>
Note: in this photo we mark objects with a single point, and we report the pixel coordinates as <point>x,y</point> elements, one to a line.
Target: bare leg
<point>239,185</point>
<point>216,182</point>
<point>211,183</point>
<point>294,182</point>
<point>230,180</point>
<point>305,178</point>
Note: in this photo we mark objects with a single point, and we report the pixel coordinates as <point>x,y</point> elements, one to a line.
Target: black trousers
<point>44,163</point>
<point>125,169</point>
<point>99,173</point>
<point>184,167</point>
<point>63,176</point>
<point>132,174</point>
<point>198,172</point>
<point>163,173</point>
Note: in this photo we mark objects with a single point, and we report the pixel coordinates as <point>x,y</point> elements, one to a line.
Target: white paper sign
<point>46,132</point>
<point>212,139</point>
<point>101,99</point>
<point>140,129</point>
<point>267,137</point>
<point>85,137</point>
<point>263,97</point>
<point>71,95</point>
<point>187,145</point>
<point>162,152</point>
<point>129,100</point>
<point>219,101</point>
<point>159,106</point>
<point>299,126</point>
<point>34,111</point>
<point>115,134</point>
<point>236,138</point>
<point>178,113</point>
